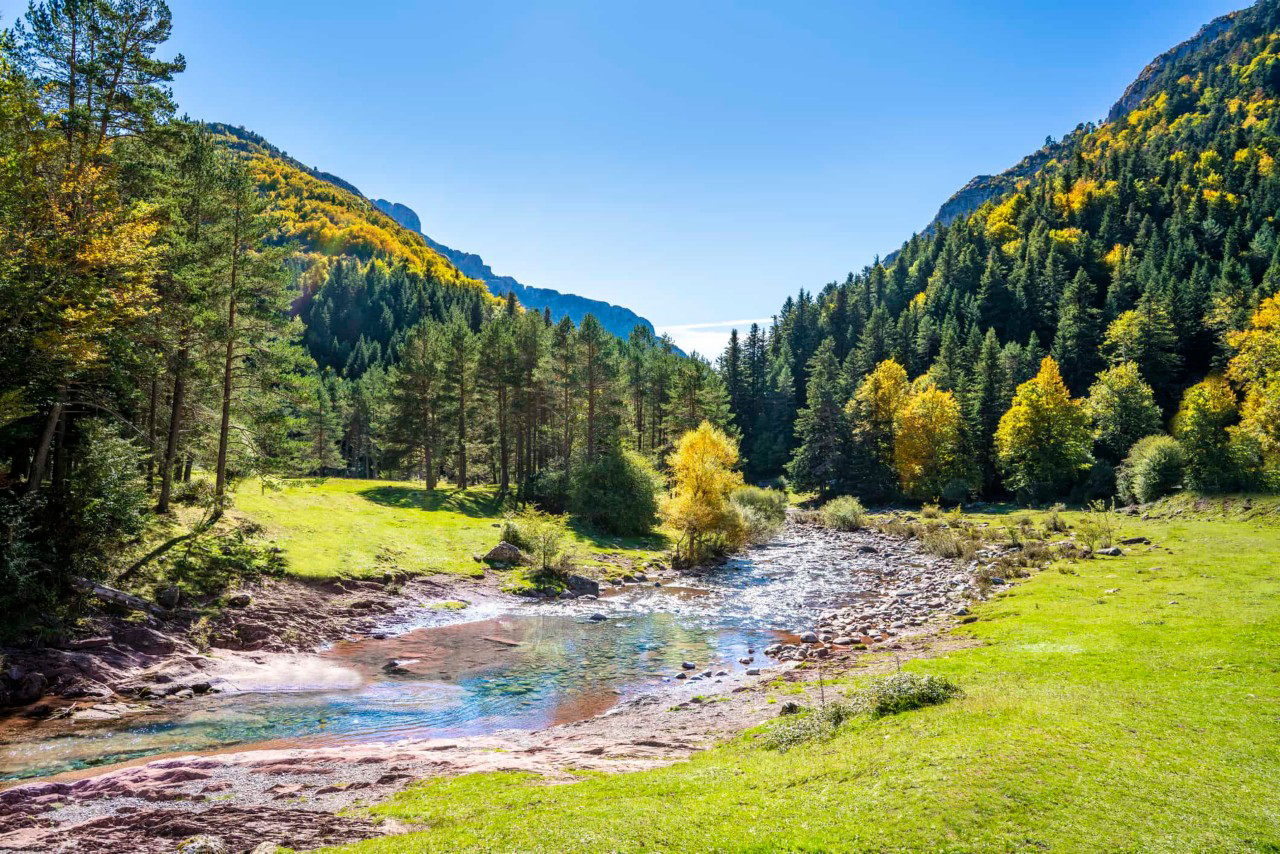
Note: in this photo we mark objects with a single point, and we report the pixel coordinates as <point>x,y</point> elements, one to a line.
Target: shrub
<point>1155,467</point>
<point>763,512</point>
<point>616,493</point>
<point>902,692</point>
<point>931,511</point>
<point>1053,521</point>
<point>540,534</point>
<point>107,499</point>
<point>549,490</point>
<point>943,542</point>
<point>805,726</point>
<point>845,513</point>
<point>769,503</point>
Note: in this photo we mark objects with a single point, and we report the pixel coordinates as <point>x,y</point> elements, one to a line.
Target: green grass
<point>340,526</point>
<point>1146,719</point>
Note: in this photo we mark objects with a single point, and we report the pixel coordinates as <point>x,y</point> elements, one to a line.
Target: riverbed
<point>518,666</point>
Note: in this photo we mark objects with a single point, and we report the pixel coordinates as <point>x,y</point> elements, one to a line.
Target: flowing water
<point>539,665</point>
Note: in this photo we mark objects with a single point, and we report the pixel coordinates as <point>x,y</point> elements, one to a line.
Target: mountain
<point>1144,242</point>
<point>329,217</point>
<point>983,188</point>
<point>618,320</point>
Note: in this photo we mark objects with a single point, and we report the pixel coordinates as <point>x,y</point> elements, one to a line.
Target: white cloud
<point>707,339</point>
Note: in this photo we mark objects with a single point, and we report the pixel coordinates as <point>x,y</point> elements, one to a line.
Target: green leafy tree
<point>1043,440</point>
<point>1123,410</point>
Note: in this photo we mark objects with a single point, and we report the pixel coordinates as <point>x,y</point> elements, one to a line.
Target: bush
<point>540,534</point>
<point>845,513</point>
<point>769,503</point>
<point>1155,467</point>
<point>616,493</point>
<point>549,490</point>
<point>902,692</point>
<point>107,499</point>
<point>763,512</point>
<point>797,729</point>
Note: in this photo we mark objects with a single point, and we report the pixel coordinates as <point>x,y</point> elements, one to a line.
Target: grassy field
<point>1116,704</point>
<point>339,526</point>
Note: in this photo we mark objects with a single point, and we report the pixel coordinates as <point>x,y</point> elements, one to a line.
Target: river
<point>532,666</point>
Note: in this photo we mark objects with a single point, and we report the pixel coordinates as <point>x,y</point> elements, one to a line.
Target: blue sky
<point>695,161</point>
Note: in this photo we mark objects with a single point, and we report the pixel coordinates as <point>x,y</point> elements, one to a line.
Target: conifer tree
<point>821,460</point>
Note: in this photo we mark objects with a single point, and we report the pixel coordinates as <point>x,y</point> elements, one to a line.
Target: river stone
<point>688,665</point>
<point>753,671</point>
<point>204,844</point>
<point>504,555</point>
<point>30,688</point>
<point>808,637</point>
<point>583,586</point>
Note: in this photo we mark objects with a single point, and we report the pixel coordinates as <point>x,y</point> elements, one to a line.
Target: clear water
<point>543,665</point>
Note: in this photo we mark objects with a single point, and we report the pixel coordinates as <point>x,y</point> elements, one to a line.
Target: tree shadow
<point>476,503</point>
<point>604,541</point>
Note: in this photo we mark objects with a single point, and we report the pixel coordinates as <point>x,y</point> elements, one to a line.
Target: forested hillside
<point>184,307</point>
<point>1106,295</point>
<point>615,318</point>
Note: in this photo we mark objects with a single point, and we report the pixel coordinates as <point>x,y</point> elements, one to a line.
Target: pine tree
<point>1076,342</point>
<point>821,461</point>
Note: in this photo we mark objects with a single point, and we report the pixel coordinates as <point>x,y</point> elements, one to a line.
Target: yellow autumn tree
<point>703,478</point>
<point>1043,441</point>
<point>1256,367</point>
<point>927,450</point>
<point>873,411</point>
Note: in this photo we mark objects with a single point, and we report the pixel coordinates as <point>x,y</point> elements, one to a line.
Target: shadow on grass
<point>600,540</point>
<point>477,503</point>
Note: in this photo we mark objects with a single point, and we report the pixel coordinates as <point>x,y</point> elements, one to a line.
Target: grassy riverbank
<point>340,526</point>
<point>1117,704</point>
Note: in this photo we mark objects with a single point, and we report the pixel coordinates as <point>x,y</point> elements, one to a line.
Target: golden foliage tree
<point>1043,440</point>
<point>927,449</point>
<point>1256,366</point>
<point>703,478</point>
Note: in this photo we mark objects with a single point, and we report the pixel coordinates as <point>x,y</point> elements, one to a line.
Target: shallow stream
<point>536,666</point>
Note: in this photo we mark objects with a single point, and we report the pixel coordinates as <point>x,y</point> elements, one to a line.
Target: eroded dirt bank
<point>290,796</point>
<point>123,665</point>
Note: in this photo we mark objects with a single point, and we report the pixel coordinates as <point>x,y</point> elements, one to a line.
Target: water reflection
<point>519,671</point>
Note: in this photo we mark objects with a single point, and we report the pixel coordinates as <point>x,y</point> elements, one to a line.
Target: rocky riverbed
<point>839,597</point>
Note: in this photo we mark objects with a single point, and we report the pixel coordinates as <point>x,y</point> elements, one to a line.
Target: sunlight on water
<point>545,665</point>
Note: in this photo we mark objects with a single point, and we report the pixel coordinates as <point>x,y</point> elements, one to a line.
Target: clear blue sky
<point>695,161</point>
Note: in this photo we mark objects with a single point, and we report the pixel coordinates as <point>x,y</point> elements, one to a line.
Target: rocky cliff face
<point>618,320</point>
<point>983,188</point>
<point>1152,74</point>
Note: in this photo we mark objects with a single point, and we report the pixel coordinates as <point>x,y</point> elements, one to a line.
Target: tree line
<point>1133,261</point>
<point>166,333</point>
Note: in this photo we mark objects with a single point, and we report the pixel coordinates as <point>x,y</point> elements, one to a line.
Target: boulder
<point>169,596</point>
<point>144,640</point>
<point>30,688</point>
<point>504,554</point>
<point>583,586</point>
<point>239,600</point>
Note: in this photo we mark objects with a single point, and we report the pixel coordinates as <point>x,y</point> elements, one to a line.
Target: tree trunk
<point>35,478</point>
<point>228,366</point>
<point>175,430</point>
<point>61,453</point>
<point>504,452</point>
<point>151,434</point>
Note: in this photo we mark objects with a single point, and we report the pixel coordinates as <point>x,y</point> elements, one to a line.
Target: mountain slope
<point>1148,239</point>
<point>983,188</point>
<point>617,319</point>
<point>329,217</point>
